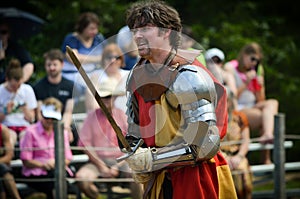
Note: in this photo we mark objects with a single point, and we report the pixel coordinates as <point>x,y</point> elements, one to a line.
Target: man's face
<point>148,39</point>
<point>53,67</point>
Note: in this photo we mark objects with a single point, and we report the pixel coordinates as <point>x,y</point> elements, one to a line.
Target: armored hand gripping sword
<point>111,120</point>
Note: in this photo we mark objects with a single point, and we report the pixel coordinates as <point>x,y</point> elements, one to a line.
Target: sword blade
<point>92,88</point>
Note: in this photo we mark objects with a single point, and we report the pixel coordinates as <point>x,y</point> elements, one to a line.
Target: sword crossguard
<point>130,153</point>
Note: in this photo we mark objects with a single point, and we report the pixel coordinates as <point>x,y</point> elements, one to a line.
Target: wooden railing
<point>279,167</point>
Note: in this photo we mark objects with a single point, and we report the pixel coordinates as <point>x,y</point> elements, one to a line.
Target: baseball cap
<point>124,38</point>
<point>214,52</point>
<point>49,111</point>
<point>110,87</point>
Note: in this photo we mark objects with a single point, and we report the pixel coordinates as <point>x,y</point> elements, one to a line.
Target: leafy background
<point>226,24</point>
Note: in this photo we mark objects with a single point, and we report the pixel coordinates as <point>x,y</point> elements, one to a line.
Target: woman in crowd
<point>18,101</point>
<point>87,43</point>
<point>249,78</point>
<point>112,64</point>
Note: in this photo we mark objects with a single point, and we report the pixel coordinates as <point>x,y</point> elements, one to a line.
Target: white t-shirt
<point>120,101</point>
<point>24,95</point>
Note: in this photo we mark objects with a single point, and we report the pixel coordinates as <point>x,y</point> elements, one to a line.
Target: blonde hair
<point>112,48</point>
<point>53,101</point>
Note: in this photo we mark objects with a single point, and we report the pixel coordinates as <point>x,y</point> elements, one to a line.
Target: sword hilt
<point>140,143</point>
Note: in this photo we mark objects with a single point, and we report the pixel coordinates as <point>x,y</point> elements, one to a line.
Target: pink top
<point>253,85</point>
<point>98,132</point>
<point>36,137</point>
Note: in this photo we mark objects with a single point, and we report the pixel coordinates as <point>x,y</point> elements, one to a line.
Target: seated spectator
<point>40,163</point>
<point>97,132</point>
<point>128,46</point>
<point>12,49</point>
<point>251,97</point>
<point>188,43</point>
<point>215,59</point>
<point>7,184</point>
<point>112,64</point>
<point>57,86</point>
<point>87,43</point>
<point>235,149</point>
<point>18,101</point>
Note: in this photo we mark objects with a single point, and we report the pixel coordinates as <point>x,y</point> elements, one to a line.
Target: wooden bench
<point>282,145</point>
<point>111,191</point>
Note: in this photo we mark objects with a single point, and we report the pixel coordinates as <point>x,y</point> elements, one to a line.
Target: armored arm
<point>194,93</point>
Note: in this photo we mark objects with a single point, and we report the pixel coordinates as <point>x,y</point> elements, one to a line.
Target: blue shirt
<point>73,42</point>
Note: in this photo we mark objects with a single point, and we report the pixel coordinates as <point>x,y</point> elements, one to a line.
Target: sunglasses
<point>254,59</point>
<point>110,57</point>
<point>48,118</point>
<point>107,97</point>
<point>217,60</point>
<point>3,32</point>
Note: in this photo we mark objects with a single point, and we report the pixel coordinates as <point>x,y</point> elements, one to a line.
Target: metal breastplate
<point>152,84</point>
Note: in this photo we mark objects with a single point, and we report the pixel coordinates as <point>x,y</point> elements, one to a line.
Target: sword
<point>92,88</point>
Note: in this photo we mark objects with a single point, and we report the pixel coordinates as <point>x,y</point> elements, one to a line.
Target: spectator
<point>112,64</point>
<point>18,100</point>
<point>249,78</point>
<point>215,63</point>
<point>128,46</point>
<point>188,42</point>
<point>235,149</point>
<point>57,86</point>
<point>87,43</point>
<point>97,132</point>
<point>11,49</point>
<point>40,163</point>
<point>7,183</point>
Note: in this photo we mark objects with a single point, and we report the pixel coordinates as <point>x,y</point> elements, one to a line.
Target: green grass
<point>292,182</point>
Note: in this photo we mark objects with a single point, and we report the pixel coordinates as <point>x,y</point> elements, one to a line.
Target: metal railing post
<point>60,173</point>
<point>279,157</point>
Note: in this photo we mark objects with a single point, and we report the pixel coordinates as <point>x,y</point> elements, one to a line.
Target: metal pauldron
<point>191,84</point>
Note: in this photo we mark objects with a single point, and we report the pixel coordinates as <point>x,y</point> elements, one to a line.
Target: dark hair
<point>54,54</point>
<point>187,30</point>
<point>157,13</point>
<point>5,24</point>
<point>85,19</point>
<point>14,70</point>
